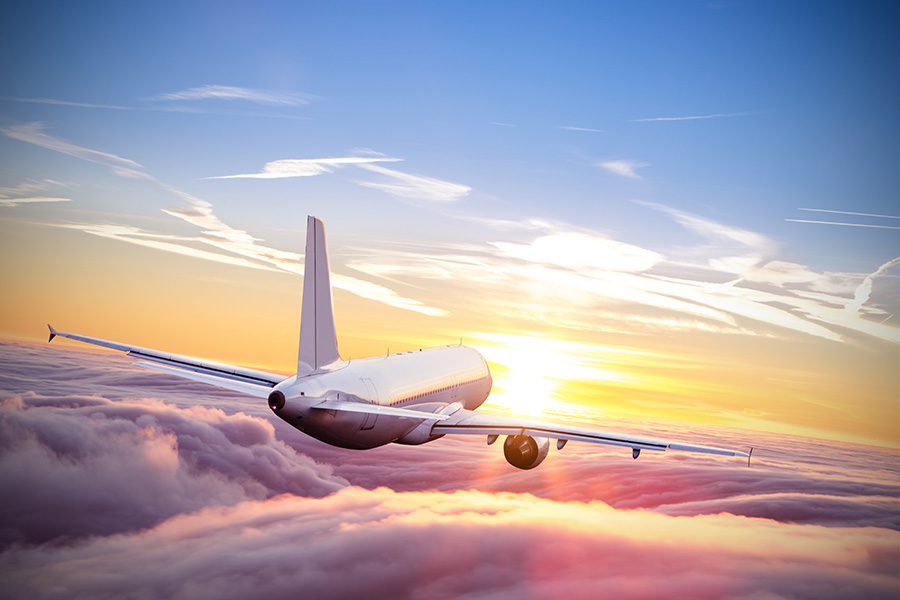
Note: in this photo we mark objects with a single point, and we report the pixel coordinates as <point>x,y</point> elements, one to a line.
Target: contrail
<point>847,212</point>
<point>844,224</point>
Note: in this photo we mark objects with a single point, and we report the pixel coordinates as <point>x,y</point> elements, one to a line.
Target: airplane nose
<point>276,401</point>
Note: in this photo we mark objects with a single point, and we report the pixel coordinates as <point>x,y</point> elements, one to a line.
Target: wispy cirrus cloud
<point>233,246</point>
<point>862,293</point>
<point>623,168</point>
<point>696,117</point>
<point>396,183</point>
<point>581,129</point>
<point>577,250</point>
<point>714,230</point>
<point>30,192</point>
<point>72,103</point>
<point>35,133</point>
<point>229,92</point>
<point>155,107</point>
<point>414,187</point>
<point>306,167</point>
<point>733,282</point>
<point>11,202</point>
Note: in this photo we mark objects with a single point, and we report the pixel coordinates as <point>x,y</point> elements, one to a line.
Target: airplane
<point>412,397</point>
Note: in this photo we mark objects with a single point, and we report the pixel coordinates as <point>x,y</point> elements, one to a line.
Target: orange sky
<point>777,382</point>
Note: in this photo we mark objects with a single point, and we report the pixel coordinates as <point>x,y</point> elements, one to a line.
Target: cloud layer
<point>80,465</point>
<point>118,482</point>
<point>437,545</point>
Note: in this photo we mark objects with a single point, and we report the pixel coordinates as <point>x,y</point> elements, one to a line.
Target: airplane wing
<point>247,381</point>
<point>467,422</point>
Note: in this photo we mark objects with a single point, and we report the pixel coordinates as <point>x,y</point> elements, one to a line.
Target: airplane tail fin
<point>318,340</point>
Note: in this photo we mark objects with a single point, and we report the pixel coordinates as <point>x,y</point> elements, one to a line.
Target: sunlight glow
<point>529,370</point>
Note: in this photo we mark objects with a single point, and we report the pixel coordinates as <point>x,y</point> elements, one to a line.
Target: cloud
<point>167,108</point>
<point>384,295</point>
<point>33,133</point>
<point>399,184</point>
<point>414,187</point>
<point>57,102</point>
<point>117,483</point>
<point>307,167</point>
<point>175,244</point>
<point>501,124</point>
<point>10,202</point>
<point>227,92</point>
<point>565,276</point>
<point>79,465</point>
<point>714,230</point>
<point>582,129</point>
<point>580,251</point>
<point>30,192</point>
<point>623,168</point>
<point>696,117</point>
<point>864,291</point>
<point>495,545</point>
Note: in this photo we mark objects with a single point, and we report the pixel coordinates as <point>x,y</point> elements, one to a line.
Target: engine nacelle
<point>524,451</point>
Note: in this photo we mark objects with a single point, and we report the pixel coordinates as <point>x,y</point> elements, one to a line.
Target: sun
<point>528,372</point>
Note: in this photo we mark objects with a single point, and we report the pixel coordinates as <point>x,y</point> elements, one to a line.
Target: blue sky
<point>812,87</point>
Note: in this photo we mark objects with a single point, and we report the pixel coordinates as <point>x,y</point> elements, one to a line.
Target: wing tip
<point>52,333</point>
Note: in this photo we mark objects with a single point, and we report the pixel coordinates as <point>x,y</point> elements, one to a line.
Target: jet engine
<point>524,451</point>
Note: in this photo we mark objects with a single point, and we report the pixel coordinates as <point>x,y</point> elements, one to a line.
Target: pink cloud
<point>115,481</point>
<point>73,465</point>
<point>439,545</point>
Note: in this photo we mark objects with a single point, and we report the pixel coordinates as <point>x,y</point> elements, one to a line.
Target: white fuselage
<point>434,380</point>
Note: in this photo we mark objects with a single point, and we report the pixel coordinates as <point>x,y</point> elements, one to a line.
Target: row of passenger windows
<point>436,391</point>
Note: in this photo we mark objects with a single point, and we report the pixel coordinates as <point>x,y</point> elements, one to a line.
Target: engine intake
<point>524,451</point>
<point>276,401</point>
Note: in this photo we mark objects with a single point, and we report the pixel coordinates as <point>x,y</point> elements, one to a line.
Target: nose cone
<point>276,401</point>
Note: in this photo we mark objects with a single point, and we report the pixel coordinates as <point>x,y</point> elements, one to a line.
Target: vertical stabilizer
<point>318,341</point>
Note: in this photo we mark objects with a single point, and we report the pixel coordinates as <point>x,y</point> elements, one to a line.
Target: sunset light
<point>439,300</point>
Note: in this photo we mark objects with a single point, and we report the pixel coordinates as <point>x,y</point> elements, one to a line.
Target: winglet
<point>52,332</point>
<point>748,457</point>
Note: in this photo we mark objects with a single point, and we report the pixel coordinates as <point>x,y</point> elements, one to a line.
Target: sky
<point>680,212</point>
<point>679,220</point>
